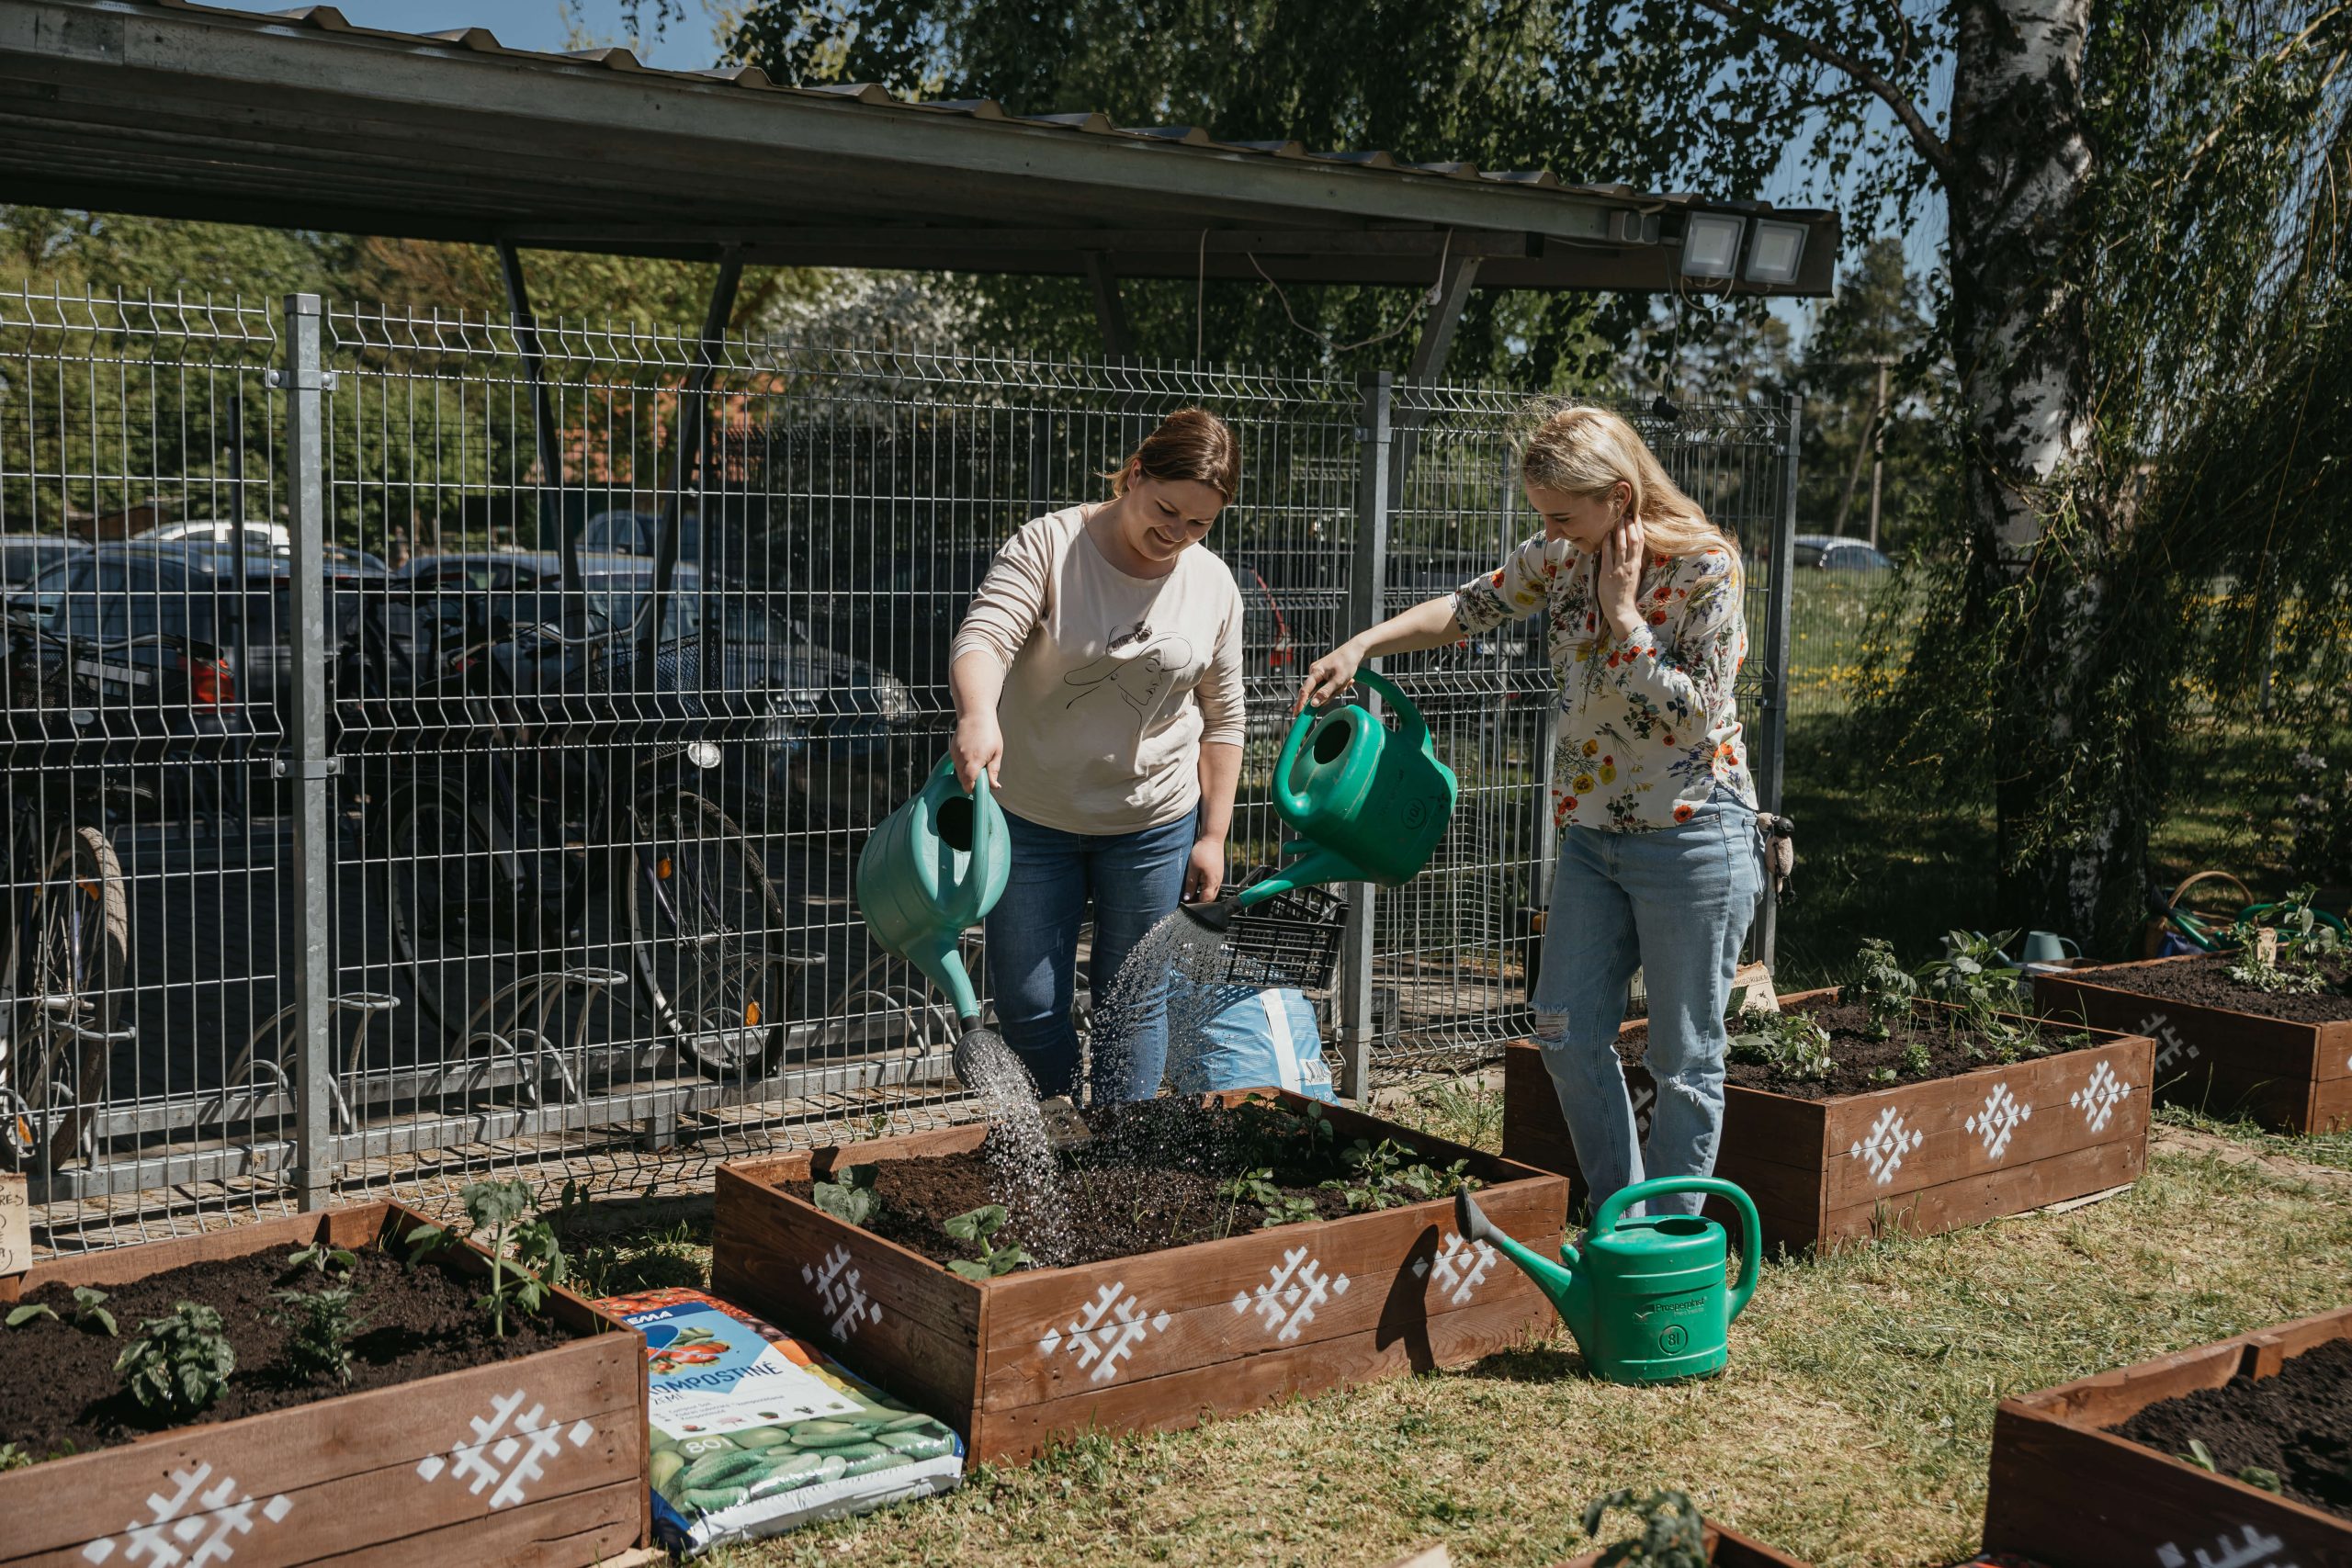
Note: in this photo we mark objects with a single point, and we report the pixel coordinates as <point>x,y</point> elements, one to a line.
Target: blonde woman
<point>1660,860</point>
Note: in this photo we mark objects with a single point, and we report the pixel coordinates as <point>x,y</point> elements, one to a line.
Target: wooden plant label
<point>16,1226</point>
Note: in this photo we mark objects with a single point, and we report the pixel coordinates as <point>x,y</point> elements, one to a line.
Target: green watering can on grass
<point>1367,804</point>
<point>1646,1298</point>
<point>931,869</point>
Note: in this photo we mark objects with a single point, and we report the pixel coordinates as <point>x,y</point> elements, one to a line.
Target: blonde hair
<point>1586,450</point>
<point>1191,443</point>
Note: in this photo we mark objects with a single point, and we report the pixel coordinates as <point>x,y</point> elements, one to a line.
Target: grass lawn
<point>1852,1426</point>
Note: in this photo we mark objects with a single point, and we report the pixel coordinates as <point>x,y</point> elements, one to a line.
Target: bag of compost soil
<point>754,1433</point>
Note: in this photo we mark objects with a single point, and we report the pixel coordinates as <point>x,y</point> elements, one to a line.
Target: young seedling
<point>1388,1175</point>
<point>1916,1060</point>
<point>320,1326</point>
<point>1883,987</point>
<point>320,1258</point>
<point>178,1365</point>
<point>1258,1186</point>
<point>1984,991</point>
<point>1672,1535</point>
<point>1789,1044</point>
<point>1885,1078</point>
<point>850,1197</point>
<point>977,1230</point>
<point>89,1314</point>
<point>500,1214</point>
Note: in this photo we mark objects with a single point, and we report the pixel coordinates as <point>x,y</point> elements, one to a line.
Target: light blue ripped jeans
<point>1676,902</point>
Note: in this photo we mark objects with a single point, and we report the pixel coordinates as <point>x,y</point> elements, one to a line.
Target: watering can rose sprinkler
<point>933,869</point>
<point>1367,806</point>
<point>1646,1298</point>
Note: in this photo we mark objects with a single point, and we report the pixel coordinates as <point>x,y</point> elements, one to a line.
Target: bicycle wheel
<point>452,908</point>
<point>703,922</point>
<point>71,946</point>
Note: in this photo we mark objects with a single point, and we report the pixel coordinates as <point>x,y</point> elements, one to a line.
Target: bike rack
<point>279,1034</point>
<point>545,993</point>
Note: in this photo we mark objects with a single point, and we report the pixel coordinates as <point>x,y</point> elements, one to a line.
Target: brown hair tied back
<point>1191,443</point>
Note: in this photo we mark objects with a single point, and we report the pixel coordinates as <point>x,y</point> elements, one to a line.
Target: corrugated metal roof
<point>177,107</point>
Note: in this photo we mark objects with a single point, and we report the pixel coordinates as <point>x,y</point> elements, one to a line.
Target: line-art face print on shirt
<point>1137,666</point>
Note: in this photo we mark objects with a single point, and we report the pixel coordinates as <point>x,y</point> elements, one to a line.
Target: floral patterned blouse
<point>1647,727</point>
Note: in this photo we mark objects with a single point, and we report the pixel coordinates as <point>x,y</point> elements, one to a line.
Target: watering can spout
<point>1559,1282</point>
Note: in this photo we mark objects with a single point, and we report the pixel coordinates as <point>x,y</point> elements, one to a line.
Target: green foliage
<point>850,1196</point>
<point>1260,1187</point>
<point>90,1315</point>
<point>1987,993</point>
<point>1389,1173</point>
<point>1790,1045</point>
<point>320,1258</point>
<point>178,1365</point>
<point>1915,1059</point>
<point>1883,987</point>
<point>318,1327</point>
<point>978,1229</point>
<point>526,1255</point>
<point>1885,1078</point>
<point>13,1458</point>
<point>2302,940</point>
<point>1672,1535</point>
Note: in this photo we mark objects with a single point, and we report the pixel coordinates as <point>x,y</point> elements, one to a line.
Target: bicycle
<point>591,765</point>
<point>69,931</point>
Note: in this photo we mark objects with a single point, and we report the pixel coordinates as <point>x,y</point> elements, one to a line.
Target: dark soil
<point>1858,1056</point>
<point>2206,982</point>
<point>1147,1181</point>
<point>63,1397</point>
<point>2298,1426</point>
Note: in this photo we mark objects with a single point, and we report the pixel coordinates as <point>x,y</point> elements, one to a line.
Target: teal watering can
<point>932,869</point>
<point>1367,804</point>
<point>1646,1298</point>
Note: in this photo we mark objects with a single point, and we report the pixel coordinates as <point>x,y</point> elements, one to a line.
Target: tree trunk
<point>2070,852</point>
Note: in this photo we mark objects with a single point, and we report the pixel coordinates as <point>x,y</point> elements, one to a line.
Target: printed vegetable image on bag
<point>755,1433</point>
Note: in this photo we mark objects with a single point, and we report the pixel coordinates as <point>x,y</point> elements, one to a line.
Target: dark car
<point>1827,552</point>
<point>24,556</point>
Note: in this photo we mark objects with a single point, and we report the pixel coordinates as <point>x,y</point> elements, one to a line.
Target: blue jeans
<point>1677,902</point>
<point>1133,880</point>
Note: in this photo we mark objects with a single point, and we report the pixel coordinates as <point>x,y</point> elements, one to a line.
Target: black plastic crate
<point>1290,940</point>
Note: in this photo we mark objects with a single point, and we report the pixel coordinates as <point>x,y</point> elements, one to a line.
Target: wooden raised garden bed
<point>538,1460</point>
<point>2295,1077</point>
<point>2069,1493</point>
<point>1151,1341</point>
<point>1924,1156</point>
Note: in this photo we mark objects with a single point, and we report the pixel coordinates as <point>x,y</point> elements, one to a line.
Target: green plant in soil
<point>850,1197</point>
<point>1388,1175</point>
<point>1788,1044</point>
<point>1672,1535</point>
<point>977,1230</point>
<point>320,1258</point>
<point>1258,1186</point>
<point>502,1216</point>
<point>2252,1475</point>
<point>2289,963</point>
<point>1916,1060</point>
<point>178,1365</point>
<point>1883,987</point>
<point>1983,991</point>
<point>318,1327</point>
<point>90,1315</point>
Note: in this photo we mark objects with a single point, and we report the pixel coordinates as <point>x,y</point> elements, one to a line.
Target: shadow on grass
<point>1533,1363</point>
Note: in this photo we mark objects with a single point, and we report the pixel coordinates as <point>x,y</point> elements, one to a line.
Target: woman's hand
<point>1620,579</point>
<point>977,743</point>
<point>1328,677</point>
<point>1204,874</point>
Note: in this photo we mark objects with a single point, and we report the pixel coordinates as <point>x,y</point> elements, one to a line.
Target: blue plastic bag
<point>1224,1037</point>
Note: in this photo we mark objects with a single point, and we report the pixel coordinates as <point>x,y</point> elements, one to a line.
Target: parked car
<point>24,556</point>
<point>1831,553</point>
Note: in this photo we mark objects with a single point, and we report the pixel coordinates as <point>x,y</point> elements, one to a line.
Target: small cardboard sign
<point>2266,945</point>
<point>16,1226</point>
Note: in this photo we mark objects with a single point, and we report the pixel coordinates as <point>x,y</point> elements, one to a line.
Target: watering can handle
<point>1417,729</point>
<point>1287,798</point>
<point>1751,1246</point>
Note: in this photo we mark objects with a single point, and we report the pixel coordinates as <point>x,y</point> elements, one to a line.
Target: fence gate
<point>389,805</point>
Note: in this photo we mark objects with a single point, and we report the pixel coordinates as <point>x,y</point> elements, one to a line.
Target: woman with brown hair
<point>1097,678</point>
<point>1661,863</point>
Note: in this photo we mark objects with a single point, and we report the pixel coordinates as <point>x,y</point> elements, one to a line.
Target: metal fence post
<point>1367,584</point>
<point>306,767</point>
<point>1770,755</point>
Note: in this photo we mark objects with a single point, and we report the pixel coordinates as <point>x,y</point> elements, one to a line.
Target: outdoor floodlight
<point>1711,245</point>
<point>1774,252</point>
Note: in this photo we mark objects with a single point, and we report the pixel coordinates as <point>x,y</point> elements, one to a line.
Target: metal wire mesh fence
<point>419,766</point>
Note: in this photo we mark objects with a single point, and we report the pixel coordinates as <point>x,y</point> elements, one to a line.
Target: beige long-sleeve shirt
<point>1111,682</point>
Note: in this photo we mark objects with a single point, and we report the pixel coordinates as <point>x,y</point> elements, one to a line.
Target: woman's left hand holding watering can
<point>1428,624</point>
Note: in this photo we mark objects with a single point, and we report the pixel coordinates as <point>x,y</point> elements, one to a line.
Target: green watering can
<point>934,868</point>
<point>1368,805</point>
<point>1645,1299</point>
